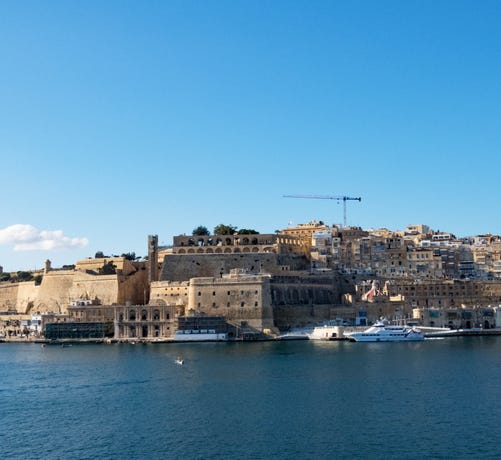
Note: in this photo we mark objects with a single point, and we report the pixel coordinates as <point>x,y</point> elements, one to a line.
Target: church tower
<point>152,258</point>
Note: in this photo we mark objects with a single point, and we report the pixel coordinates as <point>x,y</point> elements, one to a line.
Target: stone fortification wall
<point>123,266</point>
<point>101,289</point>
<point>59,288</point>
<point>239,298</point>
<point>134,288</point>
<point>54,292</point>
<point>111,289</point>
<point>303,300</point>
<point>184,267</point>
<point>169,293</point>
<point>304,290</point>
<point>8,296</point>
<point>293,316</point>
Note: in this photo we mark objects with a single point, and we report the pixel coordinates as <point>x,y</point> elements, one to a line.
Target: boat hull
<point>383,332</point>
<point>360,337</point>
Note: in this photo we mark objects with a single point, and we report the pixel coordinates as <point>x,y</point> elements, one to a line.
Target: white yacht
<point>381,331</point>
<point>199,335</point>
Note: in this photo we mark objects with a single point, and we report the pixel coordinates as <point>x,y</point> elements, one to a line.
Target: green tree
<point>247,231</point>
<point>223,229</point>
<point>24,276</point>
<point>130,256</point>
<point>99,255</point>
<point>4,276</point>
<point>109,268</point>
<point>200,231</point>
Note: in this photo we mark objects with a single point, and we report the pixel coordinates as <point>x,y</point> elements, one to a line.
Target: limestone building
<point>144,321</point>
<point>238,296</point>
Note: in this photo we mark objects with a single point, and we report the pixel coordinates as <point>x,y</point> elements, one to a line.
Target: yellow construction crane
<point>344,199</point>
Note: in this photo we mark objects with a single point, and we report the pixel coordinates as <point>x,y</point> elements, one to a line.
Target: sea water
<point>265,400</point>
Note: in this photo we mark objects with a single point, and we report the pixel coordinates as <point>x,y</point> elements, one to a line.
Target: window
<point>242,304</point>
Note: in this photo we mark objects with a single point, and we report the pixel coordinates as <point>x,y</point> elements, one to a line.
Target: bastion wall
<point>60,287</point>
<point>303,300</point>
<point>184,267</point>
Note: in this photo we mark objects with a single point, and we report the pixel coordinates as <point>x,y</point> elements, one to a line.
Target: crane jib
<point>329,197</point>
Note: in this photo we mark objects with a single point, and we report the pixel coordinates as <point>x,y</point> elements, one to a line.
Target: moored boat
<point>381,331</point>
<point>325,332</point>
<point>199,335</point>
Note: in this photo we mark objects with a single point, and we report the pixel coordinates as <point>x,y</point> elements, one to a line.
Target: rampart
<point>304,300</point>
<point>184,267</point>
<point>59,287</point>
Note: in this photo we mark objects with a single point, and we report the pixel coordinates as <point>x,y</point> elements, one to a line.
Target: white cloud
<point>25,237</point>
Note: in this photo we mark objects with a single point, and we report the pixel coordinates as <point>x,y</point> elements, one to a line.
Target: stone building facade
<point>144,321</point>
<point>239,297</point>
<point>458,318</point>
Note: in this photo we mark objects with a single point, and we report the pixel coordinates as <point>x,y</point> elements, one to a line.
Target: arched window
<point>144,315</point>
<point>132,315</point>
<point>156,315</point>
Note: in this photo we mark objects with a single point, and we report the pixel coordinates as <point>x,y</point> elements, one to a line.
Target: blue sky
<point>123,119</point>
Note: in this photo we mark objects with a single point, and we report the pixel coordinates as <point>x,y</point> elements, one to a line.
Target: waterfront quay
<point>340,334</point>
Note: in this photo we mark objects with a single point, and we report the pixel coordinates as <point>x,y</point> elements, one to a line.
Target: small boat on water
<point>179,361</point>
<point>325,332</point>
<point>199,335</point>
<point>382,331</point>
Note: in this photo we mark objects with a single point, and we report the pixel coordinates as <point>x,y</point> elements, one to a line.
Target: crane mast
<point>344,199</point>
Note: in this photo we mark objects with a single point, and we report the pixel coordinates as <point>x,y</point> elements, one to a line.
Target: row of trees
<point>223,229</point>
<point>21,276</point>
<point>129,256</point>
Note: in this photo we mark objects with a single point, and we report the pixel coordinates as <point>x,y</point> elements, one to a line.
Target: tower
<point>152,258</point>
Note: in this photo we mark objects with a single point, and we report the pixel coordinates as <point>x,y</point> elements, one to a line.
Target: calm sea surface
<point>304,400</point>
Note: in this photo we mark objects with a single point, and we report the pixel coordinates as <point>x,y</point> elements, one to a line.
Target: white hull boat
<point>383,332</point>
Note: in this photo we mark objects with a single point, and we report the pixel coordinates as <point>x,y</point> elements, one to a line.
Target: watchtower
<point>152,258</point>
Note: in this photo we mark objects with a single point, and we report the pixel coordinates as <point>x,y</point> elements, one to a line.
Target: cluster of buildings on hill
<point>254,285</point>
<point>417,252</point>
